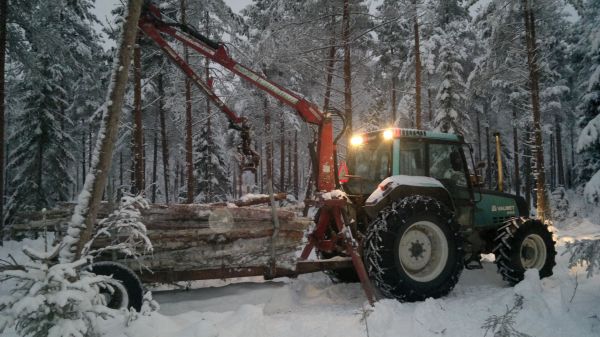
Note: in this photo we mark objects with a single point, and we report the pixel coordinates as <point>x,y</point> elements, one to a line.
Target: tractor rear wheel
<point>523,244</point>
<point>413,249</point>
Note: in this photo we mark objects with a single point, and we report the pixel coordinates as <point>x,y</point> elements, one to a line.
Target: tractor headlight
<point>356,140</point>
<point>388,134</point>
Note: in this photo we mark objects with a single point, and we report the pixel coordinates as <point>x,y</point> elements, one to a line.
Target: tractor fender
<point>401,186</point>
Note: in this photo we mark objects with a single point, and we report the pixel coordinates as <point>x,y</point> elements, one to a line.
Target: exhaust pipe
<point>500,186</point>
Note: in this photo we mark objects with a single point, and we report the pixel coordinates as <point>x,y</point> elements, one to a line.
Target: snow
<point>565,304</point>
<point>335,194</point>
<point>392,182</point>
<point>250,197</point>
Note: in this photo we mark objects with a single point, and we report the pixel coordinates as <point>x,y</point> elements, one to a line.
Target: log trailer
<point>407,218</point>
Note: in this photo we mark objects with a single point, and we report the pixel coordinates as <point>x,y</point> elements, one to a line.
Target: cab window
<point>446,164</point>
<point>412,158</point>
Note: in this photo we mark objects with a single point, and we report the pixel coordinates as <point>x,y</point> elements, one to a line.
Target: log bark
<point>193,236</point>
<point>84,217</point>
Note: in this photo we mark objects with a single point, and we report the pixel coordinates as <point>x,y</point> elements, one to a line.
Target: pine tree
<point>60,82</point>
<point>588,55</point>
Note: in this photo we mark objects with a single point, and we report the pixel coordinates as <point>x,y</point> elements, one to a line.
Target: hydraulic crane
<point>332,210</point>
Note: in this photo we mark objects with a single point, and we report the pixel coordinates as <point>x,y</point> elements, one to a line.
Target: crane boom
<point>154,26</point>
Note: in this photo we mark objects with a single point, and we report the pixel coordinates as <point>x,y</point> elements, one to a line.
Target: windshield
<point>368,165</point>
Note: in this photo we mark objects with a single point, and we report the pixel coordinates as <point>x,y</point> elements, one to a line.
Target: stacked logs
<point>197,237</point>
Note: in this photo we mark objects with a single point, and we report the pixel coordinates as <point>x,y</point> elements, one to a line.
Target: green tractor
<point>423,216</point>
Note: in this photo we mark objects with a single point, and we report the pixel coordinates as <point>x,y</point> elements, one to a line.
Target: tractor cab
<point>375,156</point>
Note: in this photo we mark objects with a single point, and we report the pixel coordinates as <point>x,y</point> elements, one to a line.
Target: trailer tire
<point>127,289</point>
<point>413,249</point>
<point>524,244</point>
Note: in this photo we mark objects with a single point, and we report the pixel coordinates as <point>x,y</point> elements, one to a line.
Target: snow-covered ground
<point>566,304</point>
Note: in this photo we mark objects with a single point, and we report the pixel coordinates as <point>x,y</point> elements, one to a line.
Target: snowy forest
<point>471,78</point>
<point>518,80</point>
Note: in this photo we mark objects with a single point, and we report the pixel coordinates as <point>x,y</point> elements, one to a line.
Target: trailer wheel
<point>127,290</point>
<point>413,249</point>
<point>523,244</point>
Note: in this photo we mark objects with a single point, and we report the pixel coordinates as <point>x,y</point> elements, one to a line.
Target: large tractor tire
<point>413,249</point>
<point>126,290</point>
<point>523,244</point>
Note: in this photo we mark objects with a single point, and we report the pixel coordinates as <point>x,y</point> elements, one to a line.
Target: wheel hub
<point>533,252</point>
<point>116,297</point>
<point>423,251</point>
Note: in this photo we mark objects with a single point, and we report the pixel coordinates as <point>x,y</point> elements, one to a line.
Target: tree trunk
<point>478,122</point>
<point>559,153</point>
<point>347,67</point>
<point>282,155</point>
<point>289,172</point>
<point>527,169</point>
<point>269,142</point>
<point>154,166</point>
<point>330,64</point>
<point>138,132</point>
<point>543,211</point>
<point>488,168</point>
<point>163,136</point>
<point>120,172</point>
<point>417,67</point>
<point>394,84</point>
<point>177,184</point>
<point>516,154</point>
<point>209,172</point>
<point>83,155</point>
<point>84,216</point>
<point>3,14</point>
<point>189,154</point>
<point>552,163</point>
<point>296,180</point>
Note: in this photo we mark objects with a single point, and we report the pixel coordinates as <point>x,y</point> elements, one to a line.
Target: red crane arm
<point>151,23</point>
<point>151,31</point>
<point>153,26</point>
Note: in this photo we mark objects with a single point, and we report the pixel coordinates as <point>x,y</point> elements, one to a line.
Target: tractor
<point>423,215</point>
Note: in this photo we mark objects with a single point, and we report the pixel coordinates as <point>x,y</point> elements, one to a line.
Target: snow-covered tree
<point>60,82</point>
<point>589,108</point>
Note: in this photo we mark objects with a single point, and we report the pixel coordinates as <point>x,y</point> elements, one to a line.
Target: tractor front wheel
<point>413,249</point>
<point>523,244</point>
